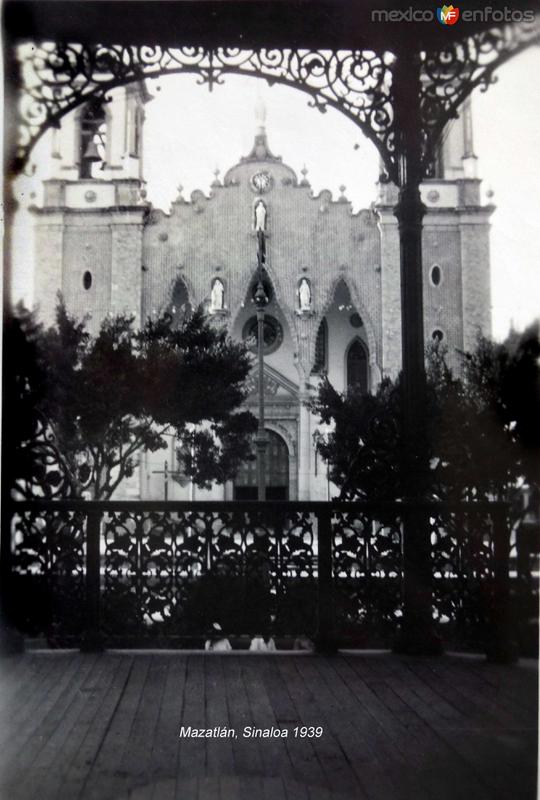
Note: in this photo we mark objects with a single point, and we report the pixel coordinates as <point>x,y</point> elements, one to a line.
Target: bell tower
<point>89,229</point>
<point>455,244</point>
<point>101,141</point>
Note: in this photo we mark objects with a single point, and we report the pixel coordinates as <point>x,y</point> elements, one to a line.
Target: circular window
<point>356,320</point>
<point>273,334</point>
<point>435,275</point>
<point>437,335</point>
<point>87,280</point>
<point>261,182</point>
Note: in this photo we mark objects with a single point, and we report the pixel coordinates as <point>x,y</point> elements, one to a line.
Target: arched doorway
<point>277,472</point>
<point>357,367</point>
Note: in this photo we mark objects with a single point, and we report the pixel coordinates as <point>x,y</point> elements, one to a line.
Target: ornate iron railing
<point>140,573</point>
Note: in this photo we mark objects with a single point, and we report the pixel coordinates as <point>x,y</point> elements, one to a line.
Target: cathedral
<point>335,288</point>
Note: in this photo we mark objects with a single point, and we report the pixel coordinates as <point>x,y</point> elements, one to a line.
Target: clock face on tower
<point>261,182</point>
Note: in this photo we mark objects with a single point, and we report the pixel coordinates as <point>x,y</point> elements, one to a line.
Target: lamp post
<point>321,435</point>
<point>261,301</point>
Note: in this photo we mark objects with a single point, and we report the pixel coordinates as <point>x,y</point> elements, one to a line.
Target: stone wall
<point>312,237</point>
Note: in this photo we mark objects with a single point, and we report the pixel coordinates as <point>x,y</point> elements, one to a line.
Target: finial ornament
<point>304,172</point>
<point>260,114</point>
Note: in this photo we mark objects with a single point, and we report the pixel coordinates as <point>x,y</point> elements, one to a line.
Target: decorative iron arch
<point>361,84</point>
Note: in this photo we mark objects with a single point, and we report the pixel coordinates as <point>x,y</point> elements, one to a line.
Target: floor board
<point>106,727</point>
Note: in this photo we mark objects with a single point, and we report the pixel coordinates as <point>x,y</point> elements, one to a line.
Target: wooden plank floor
<point>106,727</point>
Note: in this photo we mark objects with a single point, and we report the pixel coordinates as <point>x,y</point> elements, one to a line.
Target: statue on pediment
<point>217,296</point>
<point>260,216</point>
<point>304,295</point>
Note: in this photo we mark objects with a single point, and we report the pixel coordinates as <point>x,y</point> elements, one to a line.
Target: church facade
<point>334,275</point>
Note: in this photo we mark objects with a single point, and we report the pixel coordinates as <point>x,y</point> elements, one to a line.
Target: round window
<point>87,280</point>
<point>437,335</point>
<point>273,334</point>
<point>436,275</point>
<point>356,320</point>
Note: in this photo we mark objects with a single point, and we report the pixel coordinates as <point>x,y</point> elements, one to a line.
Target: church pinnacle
<point>260,115</point>
<point>260,150</point>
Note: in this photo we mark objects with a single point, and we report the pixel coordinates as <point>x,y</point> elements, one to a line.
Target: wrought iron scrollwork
<point>368,576</point>
<point>43,472</point>
<point>463,564</point>
<point>449,75</point>
<point>168,575</point>
<point>167,572</point>
<point>59,77</point>
<point>48,573</point>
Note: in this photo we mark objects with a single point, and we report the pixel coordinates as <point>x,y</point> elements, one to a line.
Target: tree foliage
<point>362,448</point>
<point>482,428</point>
<point>23,391</point>
<point>108,397</point>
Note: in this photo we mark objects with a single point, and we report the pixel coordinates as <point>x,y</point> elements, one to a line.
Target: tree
<point>504,381</point>
<point>482,429</point>
<point>23,435</point>
<point>108,397</point>
<point>362,449</point>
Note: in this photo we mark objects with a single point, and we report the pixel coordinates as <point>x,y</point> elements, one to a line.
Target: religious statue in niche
<point>260,216</point>
<point>217,297</point>
<point>304,296</point>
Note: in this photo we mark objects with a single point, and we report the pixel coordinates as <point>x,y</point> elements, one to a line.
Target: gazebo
<point>399,74</point>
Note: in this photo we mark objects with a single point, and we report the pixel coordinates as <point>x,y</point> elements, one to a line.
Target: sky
<point>190,132</point>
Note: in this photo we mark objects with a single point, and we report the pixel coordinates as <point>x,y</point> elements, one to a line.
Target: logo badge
<point>448,15</point>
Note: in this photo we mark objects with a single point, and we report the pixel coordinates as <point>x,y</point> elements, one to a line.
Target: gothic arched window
<point>93,135</point>
<point>357,367</point>
<point>321,348</point>
<point>179,307</point>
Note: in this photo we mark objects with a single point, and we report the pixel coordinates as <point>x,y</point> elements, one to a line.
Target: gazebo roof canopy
<point>332,24</point>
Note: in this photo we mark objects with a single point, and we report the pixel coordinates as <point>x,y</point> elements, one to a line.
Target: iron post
<point>417,634</point>
<point>261,301</point>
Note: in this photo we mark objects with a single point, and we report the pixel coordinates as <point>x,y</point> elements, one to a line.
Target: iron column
<point>417,634</point>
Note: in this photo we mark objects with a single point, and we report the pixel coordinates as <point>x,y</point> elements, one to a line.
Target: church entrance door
<point>277,472</point>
